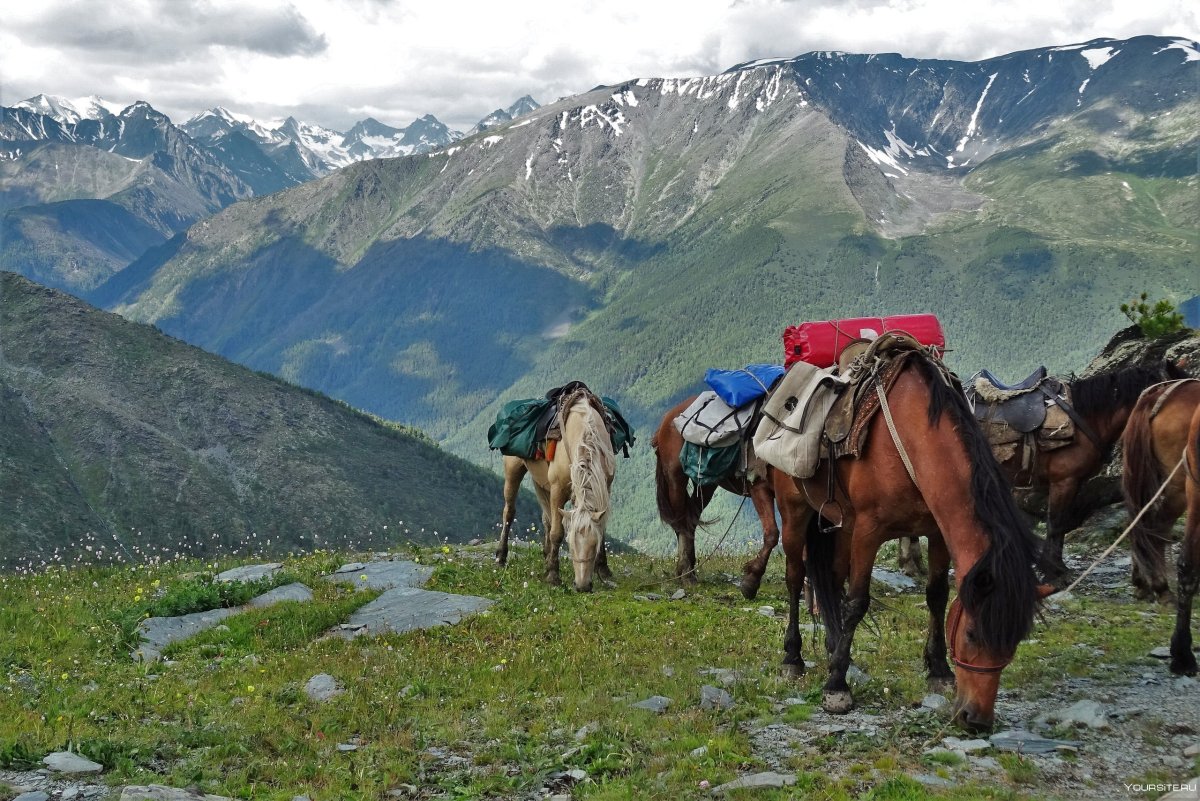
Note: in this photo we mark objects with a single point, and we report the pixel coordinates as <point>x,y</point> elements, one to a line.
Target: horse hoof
<point>942,685</point>
<point>750,585</point>
<point>1184,665</point>
<point>553,580</point>
<point>837,702</point>
<point>689,579</point>
<point>792,671</point>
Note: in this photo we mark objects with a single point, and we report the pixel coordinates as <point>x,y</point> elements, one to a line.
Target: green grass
<point>539,683</point>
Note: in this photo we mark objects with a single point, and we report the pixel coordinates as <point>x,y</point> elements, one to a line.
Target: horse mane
<point>1000,590</point>
<point>1111,390</point>
<point>594,462</point>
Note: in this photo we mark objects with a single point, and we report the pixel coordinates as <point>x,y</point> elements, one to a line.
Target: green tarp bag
<point>622,432</point>
<point>515,431</point>
<point>708,465</point>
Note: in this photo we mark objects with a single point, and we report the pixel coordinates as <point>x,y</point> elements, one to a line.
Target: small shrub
<point>1154,321</point>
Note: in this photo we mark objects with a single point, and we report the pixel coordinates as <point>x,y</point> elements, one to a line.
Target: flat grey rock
<point>407,609</point>
<point>1191,794</point>
<point>766,611</point>
<point>968,746</point>
<point>382,575</point>
<point>66,762</point>
<point>1026,742</point>
<point>158,632</point>
<point>725,676</point>
<point>754,781</point>
<point>159,792</point>
<point>322,687</point>
<point>250,572</point>
<point>856,675</point>
<point>1081,713</point>
<point>715,698</point>
<point>1161,652</point>
<point>288,592</point>
<point>678,595</point>
<point>655,703</point>
<point>36,795</point>
<point>929,780</point>
<point>897,581</point>
<point>934,701</point>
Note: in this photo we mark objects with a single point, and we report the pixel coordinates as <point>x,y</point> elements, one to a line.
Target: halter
<point>953,619</point>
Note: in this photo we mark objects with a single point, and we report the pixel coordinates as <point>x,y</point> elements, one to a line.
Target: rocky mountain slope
<point>120,440</point>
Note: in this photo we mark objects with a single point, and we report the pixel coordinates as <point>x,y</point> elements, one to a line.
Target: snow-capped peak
<point>94,107</point>
<point>58,108</point>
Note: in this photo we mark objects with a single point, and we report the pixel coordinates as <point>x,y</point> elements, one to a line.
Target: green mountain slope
<point>118,437</point>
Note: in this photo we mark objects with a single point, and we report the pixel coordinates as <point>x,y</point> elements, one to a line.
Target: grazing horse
<point>1165,426</point>
<point>1103,403</point>
<point>959,499</point>
<point>581,471</point>
<point>680,508</point>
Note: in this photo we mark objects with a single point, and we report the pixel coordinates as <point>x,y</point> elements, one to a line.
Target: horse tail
<point>591,468</point>
<point>1000,589</point>
<point>1141,476</point>
<point>819,550</point>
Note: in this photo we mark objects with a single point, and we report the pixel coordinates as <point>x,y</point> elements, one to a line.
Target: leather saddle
<point>1021,406</point>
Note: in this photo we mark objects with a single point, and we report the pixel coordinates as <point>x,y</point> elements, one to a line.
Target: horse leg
<point>795,515</point>
<point>836,697</point>
<point>1062,517</point>
<point>764,504</point>
<point>602,570</point>
<point>940,676</point>
<point>1183,661</point>
<point>514,472</point>
<point>910,557</point>
<point>553,517</point>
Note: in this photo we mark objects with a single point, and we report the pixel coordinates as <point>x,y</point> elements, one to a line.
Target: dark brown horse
<point>960,501</point>
<point>1164,427</point>
<point>680,507</point>
<point>1103,402</point>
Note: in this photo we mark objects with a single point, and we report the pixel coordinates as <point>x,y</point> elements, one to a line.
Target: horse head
<point>585,532</point>
<point>978,662</point>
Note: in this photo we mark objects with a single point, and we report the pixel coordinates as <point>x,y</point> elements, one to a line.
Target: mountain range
<point>87,187</point>
<point>119,442</point>
<point>635,234</point>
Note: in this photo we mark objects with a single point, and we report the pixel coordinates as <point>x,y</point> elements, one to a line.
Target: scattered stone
<point>1026,742</point>
<point>1192,750</point>
<point>934,701</point>
<point>967,746</point>
<point>655,703</point>
<point>697,753</point>
<point>584,731</point>
<point>757,781</point>
<point>66,762</point>
<point>896,581</point>
<point>158,792</point>
<point>715,698</point>
<point>1190,794</point>
<point>577,774</point>
<point>929,780</point>
<point>668,671</point>
<point>678,595</point>
<point>301,798</point>
<point>346,747</point>
<point>985,763</point>
<point>1185,683</point>
<point>475,541</point>
<point>855,675</point>
<point>1172,761</point>
<point>1161,652</point>
<point>36,795</point>
<point>765,611</point>
<point>726,676</point>
<point>288,592</point>
<point>1082,713</point>
<point>832,729</point>
<point>249,573</point>
<point>322,687</point>
<point>71,793</point>
<point>408,608</point>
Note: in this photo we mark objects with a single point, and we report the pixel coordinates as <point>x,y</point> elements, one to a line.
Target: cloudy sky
<point>337,61</point>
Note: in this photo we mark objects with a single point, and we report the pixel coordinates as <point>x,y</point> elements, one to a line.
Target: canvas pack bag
<point>793,420</point>
<point>711,422</point>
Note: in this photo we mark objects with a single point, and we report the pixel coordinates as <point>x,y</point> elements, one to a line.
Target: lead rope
<point>699,562</point>
<point>1129,528</point>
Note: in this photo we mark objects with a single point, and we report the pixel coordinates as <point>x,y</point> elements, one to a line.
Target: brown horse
<point>1103,402</point>
<point>1165,426</point>
<point>581,471</point>
<point>680,508</point>
<point>960,501</point>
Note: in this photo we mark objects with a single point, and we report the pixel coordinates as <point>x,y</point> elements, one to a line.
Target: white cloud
<point>333,61</point>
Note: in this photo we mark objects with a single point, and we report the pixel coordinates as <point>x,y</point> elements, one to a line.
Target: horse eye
<point>971,636</point>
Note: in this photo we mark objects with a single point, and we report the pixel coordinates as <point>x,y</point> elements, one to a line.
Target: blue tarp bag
<point>739,387</point>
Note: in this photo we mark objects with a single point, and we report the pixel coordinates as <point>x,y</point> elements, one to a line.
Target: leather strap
<point>891,426</point>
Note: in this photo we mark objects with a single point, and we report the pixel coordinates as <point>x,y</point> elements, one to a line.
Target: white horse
<point>581,471</point>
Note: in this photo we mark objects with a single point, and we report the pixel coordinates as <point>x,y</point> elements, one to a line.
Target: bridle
<point>953,620</point>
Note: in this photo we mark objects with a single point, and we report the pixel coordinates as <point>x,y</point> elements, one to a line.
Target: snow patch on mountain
<point>1098,56</point>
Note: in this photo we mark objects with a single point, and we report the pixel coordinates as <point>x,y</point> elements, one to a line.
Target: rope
<point>1128,528</point>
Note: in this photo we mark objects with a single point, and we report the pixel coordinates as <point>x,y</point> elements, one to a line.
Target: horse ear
<point>597,515</point>
<point>1045,590</point>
